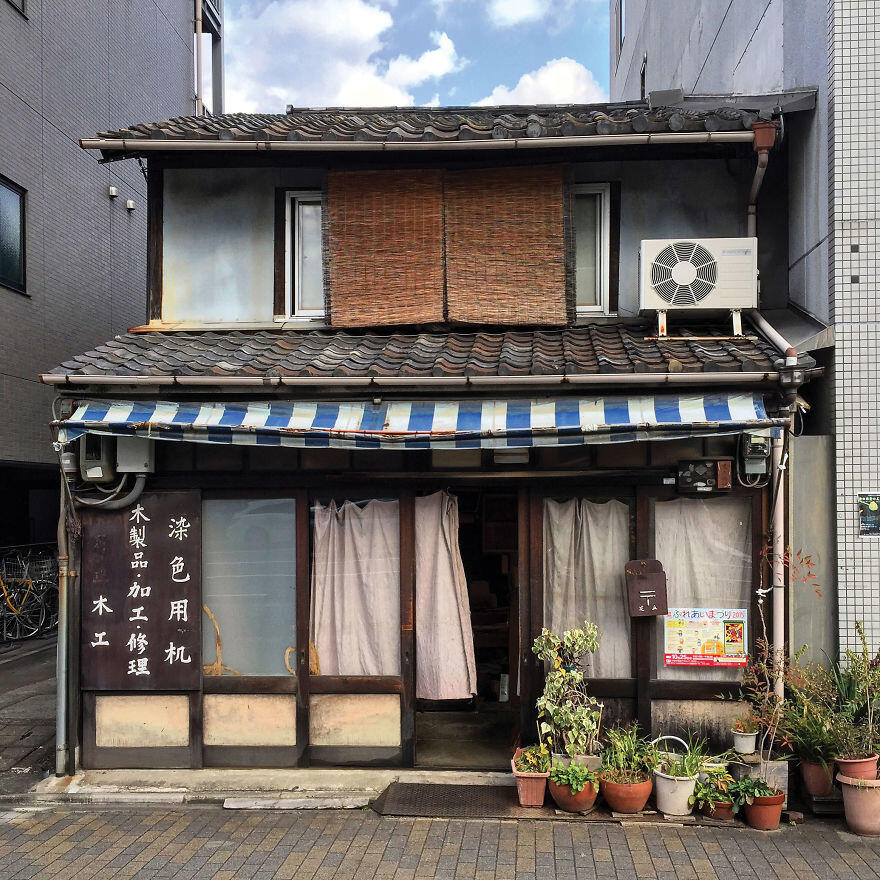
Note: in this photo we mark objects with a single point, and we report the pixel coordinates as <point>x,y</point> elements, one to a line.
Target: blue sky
<point>403,52</point>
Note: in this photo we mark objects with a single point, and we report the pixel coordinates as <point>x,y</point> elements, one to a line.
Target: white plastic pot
<point>744,743</point>
<point>673,793</point>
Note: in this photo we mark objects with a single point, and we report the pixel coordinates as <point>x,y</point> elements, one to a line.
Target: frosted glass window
<point>248,586</point>
<point>705,546</point>
<point>11,235</point>
<point>305,284</point>
<point>586,235</point>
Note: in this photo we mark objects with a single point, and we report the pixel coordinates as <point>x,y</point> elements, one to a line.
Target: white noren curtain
<point>356,588</point>
<point>356,595</point>
<point>586,546</point>
<point>705,546</point>
<point>445,665</point>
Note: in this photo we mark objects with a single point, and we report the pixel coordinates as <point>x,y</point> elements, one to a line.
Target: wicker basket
<point>530,787</point>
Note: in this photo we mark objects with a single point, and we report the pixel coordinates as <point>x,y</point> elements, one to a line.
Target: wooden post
<point>303,617</point>
<point>407,625</point>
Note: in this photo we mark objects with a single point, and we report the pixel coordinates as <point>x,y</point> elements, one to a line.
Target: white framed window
<point>591,218</point>
<point>304,275</point>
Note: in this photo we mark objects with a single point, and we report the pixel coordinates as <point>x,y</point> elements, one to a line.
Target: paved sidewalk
<point>312,845</point>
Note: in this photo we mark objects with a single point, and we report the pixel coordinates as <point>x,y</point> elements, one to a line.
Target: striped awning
<point>438,424</point>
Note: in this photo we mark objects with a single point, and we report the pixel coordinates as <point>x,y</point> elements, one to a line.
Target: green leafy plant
<point>627,758</point>
<point>567,715</point>
<point>745,790</point>
<point>746,724</point>
<point>533,759</point>
<point>687,764</point>
<point>575,776</point>
<point>712,789</point>
<point>863,670</point>
<point>571,648</point>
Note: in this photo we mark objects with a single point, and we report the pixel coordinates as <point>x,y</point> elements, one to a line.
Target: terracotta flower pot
<point>623,797</point>
<point>530,787</point>
<point>858,768</point>
<point>722,812</point>
<point>573,803</point>
<point>861,805</point>
<point>764,813</point>
<point>818,780</point>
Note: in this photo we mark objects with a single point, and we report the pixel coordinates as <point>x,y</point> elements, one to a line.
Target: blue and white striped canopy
<point>438,424</point>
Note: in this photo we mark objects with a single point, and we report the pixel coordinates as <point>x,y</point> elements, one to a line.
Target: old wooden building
<point>400,402</point>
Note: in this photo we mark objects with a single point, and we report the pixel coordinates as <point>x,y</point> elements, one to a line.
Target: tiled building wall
<point>854,67</point>
<point>69,69</point>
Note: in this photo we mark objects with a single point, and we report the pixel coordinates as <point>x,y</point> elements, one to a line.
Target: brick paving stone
<point>206,843</point>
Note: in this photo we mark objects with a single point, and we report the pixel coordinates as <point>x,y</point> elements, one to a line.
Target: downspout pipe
<point>200,107</point>
<point>765,138</point>
<point>777,445</point>
<point>61,684</point>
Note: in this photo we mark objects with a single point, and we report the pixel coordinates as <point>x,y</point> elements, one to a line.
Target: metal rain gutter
<point>643,379</point>
<point>143,145</point>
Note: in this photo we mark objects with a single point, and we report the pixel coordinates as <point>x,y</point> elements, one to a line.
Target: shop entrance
<point>480,733</point>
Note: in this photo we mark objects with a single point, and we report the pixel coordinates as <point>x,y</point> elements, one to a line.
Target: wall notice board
<point>140,616</point>
<point>705,637</point>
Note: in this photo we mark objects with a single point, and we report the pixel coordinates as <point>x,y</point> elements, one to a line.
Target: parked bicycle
<point>28,592</point>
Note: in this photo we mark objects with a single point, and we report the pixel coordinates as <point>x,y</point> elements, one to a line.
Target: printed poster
<point>869,514</point>
<point>705,637</point>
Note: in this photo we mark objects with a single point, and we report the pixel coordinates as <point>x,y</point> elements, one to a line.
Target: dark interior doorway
<point>480,733</point>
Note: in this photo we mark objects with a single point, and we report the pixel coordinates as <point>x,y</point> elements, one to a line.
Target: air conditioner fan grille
<point>684,273</point>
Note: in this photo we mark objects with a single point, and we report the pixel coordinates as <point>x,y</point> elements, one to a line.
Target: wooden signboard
<point>141,617</point>
<point>645,588</point>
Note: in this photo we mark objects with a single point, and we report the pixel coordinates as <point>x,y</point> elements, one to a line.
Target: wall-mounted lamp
<point>130,204</point>
<point>112,192</point>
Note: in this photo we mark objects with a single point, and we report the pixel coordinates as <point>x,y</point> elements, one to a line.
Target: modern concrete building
<point>828,198</point>
<point>73,232</point>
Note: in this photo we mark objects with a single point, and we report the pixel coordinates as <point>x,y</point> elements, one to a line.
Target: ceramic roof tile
<point>600,348</point>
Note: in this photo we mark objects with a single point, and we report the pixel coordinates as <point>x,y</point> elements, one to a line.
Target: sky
<point>368,53</point>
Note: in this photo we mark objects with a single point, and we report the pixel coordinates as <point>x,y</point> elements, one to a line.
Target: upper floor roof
<point>370,128</point>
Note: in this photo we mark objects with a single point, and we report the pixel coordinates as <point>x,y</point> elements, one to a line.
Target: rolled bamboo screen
<point>505,248</point>
<point>384,242</point>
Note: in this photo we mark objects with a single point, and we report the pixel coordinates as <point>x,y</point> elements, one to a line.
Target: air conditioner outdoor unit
<point>699,273</point>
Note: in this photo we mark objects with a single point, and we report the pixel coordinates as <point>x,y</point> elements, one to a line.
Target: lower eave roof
<point>591,350</point>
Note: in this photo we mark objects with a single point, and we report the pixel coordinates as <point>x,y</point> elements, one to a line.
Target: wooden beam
<point>155,212</point>
<point>355,684</point>
<point>643,627</point>
<point>249,684</point>
<point>303,615</point>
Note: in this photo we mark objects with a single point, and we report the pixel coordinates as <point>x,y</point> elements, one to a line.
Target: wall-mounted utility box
<point>135,455</point>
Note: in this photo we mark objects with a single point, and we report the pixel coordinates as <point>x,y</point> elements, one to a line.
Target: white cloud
<point>510,13</point>
<point>561,81</point>
<point>506,13</point>
<point>322,53</point>
<point>404,71</point>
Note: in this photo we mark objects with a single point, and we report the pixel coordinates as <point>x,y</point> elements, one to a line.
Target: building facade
<point>397,407</point>
<point>832,236</point>
<point>73,263</point>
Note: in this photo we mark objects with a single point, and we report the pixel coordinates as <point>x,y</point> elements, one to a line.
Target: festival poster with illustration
<point>705,637</point>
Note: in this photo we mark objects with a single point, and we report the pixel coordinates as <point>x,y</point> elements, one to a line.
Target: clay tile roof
<point>594,349</point>
<point>439,124</point>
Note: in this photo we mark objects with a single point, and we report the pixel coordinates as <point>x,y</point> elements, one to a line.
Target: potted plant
<point>712,795</point>
<point>861,805</point>
<point>568,716</point>
<point>858,685</point>
<point>627,762</point>
<point>573,786</point>
<point>675,777</point>
<point>531,767</point>
<point>745,734</point>
<point>810,724</point>
<point>761,803</point>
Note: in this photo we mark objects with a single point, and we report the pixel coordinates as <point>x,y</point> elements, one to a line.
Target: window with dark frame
<point>591,209</point>
<point>12,235</point>
<point>304,283</point>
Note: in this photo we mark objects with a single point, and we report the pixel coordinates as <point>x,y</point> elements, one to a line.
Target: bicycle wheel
<point>29,620</point>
